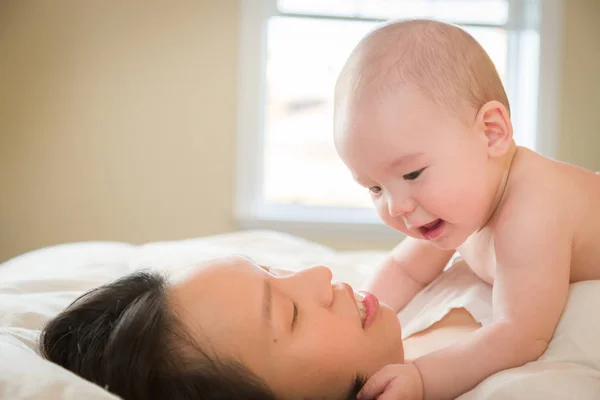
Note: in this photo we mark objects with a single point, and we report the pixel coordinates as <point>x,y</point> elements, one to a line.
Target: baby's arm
<point>411,266</point>
<point>533,252</point>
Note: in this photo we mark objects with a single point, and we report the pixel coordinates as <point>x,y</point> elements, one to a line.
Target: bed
<point>38,284</point>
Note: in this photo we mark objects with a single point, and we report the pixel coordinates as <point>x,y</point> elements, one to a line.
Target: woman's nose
<point>316,283</point>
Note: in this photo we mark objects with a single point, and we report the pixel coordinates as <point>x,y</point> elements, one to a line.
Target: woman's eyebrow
<point>248,258</point>
<point>268,305</point>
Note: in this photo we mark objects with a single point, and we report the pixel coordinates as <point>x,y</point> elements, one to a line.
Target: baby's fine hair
<point>441,60</point>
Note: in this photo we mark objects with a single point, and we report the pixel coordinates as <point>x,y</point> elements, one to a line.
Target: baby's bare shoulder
<point>532,181</point>
<point>544,185</point>
<point>539,190</point>
<point>555,197</point>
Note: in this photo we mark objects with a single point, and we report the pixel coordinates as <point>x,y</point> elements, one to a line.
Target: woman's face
<point>301,333</point>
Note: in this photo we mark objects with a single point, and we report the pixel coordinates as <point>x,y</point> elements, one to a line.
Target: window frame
<point>252,213</point>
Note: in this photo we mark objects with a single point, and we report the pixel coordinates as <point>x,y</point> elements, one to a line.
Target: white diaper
<point>456,287</point>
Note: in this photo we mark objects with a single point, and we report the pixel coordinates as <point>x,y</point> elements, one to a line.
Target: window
<point>291,54</point>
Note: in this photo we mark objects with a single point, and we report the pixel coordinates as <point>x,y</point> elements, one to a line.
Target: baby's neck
<point>506,164</point>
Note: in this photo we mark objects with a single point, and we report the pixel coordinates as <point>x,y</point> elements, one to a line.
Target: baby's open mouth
<point>432,230</point>
<point>430,226</point>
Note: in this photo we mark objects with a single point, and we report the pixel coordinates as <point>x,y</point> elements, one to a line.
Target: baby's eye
<point>413,175</point>
<point>375,189</point>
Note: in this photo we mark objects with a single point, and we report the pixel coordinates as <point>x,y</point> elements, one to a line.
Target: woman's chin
<point>393,333</point>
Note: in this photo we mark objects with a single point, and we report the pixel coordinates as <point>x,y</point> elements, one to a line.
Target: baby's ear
<point>494,121</point>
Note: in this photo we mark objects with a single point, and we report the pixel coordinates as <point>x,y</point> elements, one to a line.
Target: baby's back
<point>577,194</point>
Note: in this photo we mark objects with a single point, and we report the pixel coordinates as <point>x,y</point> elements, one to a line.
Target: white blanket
<point>37,285</point>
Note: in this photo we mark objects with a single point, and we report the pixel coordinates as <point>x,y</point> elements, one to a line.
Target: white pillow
<point>25,375</point>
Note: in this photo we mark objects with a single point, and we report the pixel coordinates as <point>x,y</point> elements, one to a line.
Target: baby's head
<point>422,119</point>
<point>229,329</point>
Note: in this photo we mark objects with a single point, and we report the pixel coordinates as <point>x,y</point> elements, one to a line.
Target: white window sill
<point>341,223</point>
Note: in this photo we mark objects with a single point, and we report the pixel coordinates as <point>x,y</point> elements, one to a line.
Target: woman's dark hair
<point>124,337</point>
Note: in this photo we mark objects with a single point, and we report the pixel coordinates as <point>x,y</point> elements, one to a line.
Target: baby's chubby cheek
<point>395,223</point>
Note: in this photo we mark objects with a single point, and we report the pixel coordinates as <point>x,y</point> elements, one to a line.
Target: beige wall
<point>580,101</point>
<point>117,122</point>
<point>117,118</point>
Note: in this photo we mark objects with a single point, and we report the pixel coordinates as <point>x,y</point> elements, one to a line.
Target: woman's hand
<point>394,382</point>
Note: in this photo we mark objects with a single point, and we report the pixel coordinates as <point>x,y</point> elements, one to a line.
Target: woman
<point>233,330</point>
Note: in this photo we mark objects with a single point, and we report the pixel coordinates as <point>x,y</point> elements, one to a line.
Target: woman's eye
<point>413,175</point>
<point>294,316</point>
<point>375,189</point>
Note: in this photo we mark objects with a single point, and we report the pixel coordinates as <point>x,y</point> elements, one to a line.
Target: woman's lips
<point>371,304</point>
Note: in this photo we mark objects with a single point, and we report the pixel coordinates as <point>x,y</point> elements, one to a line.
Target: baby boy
<point>423,122</point>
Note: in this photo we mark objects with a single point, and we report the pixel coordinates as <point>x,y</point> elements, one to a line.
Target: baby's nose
<point>400,206</point>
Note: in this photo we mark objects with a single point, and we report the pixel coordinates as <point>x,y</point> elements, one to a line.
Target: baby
<point>422,120</point>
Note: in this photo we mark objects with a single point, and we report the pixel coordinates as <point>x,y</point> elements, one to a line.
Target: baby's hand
<point>394,382</point>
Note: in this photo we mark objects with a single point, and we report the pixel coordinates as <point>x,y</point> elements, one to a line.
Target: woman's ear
<point>494,122</point>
